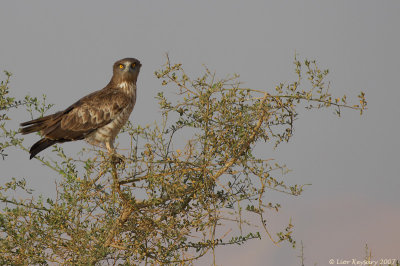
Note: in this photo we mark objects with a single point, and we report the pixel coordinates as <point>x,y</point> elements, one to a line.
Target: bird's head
<point>126,70</point>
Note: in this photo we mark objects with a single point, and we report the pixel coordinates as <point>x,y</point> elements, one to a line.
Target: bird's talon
<point>117,158</point>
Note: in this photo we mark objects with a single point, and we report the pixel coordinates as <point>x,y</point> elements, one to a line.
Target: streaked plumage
<point>97,117</point>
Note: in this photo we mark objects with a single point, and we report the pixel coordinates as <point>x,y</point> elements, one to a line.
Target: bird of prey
<point>97,117</point>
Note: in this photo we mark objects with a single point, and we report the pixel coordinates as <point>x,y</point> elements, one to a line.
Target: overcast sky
<point>66,50</point>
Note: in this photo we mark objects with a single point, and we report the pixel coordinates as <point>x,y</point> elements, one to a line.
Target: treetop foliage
<point>164,204</point>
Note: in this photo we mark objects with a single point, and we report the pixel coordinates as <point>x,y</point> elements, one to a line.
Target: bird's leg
<point>115,157</point>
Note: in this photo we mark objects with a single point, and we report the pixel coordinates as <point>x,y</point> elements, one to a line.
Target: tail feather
<point>34,121</point>
<point>38,124</point>
<point>41,145</point>
<point>32,128</point>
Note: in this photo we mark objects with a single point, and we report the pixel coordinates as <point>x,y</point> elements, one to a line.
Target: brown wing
<point>77,121</point>
<point>89,113</point>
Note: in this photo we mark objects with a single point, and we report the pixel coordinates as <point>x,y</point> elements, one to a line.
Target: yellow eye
<point>133,65</point>
<point>121,66</point>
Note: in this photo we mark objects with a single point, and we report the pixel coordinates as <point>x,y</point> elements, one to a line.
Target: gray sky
<point>66,50</point>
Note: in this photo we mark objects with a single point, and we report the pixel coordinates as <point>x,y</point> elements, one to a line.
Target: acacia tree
<point>164,204</point>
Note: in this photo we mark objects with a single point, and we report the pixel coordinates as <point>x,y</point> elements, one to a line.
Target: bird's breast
<point>129,89</point>
<point>107,133</point>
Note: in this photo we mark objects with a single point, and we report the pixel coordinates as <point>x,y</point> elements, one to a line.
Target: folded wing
<point>77,121</point>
